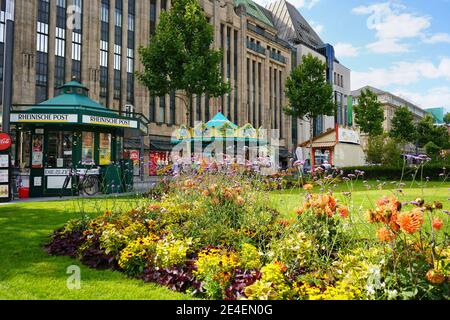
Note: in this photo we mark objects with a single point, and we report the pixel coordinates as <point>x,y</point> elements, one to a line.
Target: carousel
<point>220,138</point>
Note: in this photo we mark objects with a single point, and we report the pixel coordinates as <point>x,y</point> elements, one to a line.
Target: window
<point>118,50</point>
<point>199,108</point>
<point>105,149</point>
<point>104,43</point>
<point>172,118</point>
<point>152,16</point>
<point>207,112</point>
<point>163,5</point>
<point>2,46</point>
<point>254,92</point>
<point>152,109</point>
<point>60,44</point>
<point>42,51</point>
<point>162,110</point>
<point>59,149</point>
<point>280,106</point>
<point>130,52</point>
<point>236,63</point>
<point>77,43</point>
<point>87,153</point>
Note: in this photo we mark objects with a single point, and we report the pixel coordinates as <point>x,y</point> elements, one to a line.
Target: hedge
<point>431,171</point>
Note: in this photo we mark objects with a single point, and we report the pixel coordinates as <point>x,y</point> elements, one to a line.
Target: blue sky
<point>401,46</point>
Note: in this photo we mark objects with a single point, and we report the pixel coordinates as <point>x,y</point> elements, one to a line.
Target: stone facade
<point>234,29</point>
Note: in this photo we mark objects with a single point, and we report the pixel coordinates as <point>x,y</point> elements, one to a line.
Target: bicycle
<point>86,183</point>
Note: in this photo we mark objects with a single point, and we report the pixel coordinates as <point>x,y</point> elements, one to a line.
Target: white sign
<point>56,182</point>
<point>60,162</point>
<point>105,121</point>
<point>4,161</point>
<point>56,172</point>
<point>4,176</point>
<point>44,118</point>
<point>349,136</point>
<point>4,191</point>
<point>38,181</point>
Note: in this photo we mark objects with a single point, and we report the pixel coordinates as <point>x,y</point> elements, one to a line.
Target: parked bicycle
<point>87,181</point>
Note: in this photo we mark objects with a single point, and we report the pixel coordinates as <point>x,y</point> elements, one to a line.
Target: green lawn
<point>28,272</point>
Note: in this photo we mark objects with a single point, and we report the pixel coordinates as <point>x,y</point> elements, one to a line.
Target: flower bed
<point>217,237</point>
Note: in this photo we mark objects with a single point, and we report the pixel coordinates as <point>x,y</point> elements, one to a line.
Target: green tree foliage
<point>447,118</point>
<point>383,150</point>
<point>369,114</point>
<point>308,92</point>
<point>180,56</point>
<point>432,150</point>
<point>403,127</point>
<point>428,132</point>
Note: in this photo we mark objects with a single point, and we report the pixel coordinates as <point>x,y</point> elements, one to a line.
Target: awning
<point>160,145</point>
<point>134,144</point>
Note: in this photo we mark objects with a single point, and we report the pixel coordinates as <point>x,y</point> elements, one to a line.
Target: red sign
<point>134,155</point>
<point>5,141</point>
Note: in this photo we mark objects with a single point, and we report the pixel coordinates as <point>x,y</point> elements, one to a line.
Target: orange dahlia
<point>435,277</point>
<point>411,221</point>
<point>343,212</point>
<point>386,235</point>
<point>308,187</point>
<point>437,224</point>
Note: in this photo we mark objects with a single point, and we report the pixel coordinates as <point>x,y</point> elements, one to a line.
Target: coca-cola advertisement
<point>5,141</point>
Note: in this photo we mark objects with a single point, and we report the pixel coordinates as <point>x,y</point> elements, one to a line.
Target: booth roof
<point>74,95</point>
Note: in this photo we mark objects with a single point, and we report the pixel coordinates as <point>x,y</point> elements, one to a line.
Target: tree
<point>403,127</point>
<point>383,150</point>
<point>369,114</point>
<point>447,118</point>
<point>428,132</point>
<point>308,92</point>
<point>180,57</point>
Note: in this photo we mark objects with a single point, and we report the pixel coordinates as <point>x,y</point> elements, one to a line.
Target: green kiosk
<point>72,133</point>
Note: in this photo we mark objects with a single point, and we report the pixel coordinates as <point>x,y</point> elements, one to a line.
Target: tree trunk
<point>311,136</point>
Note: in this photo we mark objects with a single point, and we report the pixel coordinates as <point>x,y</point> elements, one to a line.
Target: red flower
<point>437,224</point>
<point>343,212</point>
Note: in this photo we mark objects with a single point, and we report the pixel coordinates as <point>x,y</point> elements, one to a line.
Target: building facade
<point>390,104</point>
<point>96,42</point>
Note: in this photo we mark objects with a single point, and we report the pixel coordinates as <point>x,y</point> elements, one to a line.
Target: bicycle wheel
<point>90,185</point>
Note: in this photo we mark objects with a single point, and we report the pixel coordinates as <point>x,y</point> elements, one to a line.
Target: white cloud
<point>402,73</point>
<point>392,26</point>
<point>346,50</point>
<point>433,98</point>
<point>318,28</point>
<point>308,4</point>
<point>437,38</point>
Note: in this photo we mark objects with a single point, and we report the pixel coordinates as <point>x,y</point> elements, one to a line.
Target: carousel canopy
<point>73,106</point>
<point>219,128</point>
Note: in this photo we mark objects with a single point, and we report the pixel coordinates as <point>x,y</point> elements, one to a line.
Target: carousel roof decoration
<point>219,128</point>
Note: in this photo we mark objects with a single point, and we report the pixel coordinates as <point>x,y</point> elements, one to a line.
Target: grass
<point>28,272</point>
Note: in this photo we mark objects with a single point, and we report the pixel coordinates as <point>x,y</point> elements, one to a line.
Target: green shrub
<point>432,171</point>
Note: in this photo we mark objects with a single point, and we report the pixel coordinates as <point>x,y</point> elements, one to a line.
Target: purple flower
<point>447,212</point>
<point>351,176</point>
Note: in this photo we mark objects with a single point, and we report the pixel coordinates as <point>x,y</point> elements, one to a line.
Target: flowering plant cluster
<point>219,237</point>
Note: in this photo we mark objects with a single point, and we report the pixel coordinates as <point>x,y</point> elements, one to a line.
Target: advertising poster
<point>38,151</point>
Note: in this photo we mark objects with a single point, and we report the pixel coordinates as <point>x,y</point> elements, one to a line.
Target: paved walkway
<point>139,187</point>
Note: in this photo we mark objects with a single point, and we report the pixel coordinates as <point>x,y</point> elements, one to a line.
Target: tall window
<point>152,109</point>
<point>60,43</point>
<point>260,111</point>
<point>275,98</point>
<point>236,92</point>
<point>130,52</point>
<point>198,108</point>
<point>163,5</point>
<point>43,7</point>
<point>77,36</point>
<point>118,49</point>
<point>104,42</point>
<point>270,94</point>
<point>280,105</point>
<point>162,110</point>
<point>2,44</point>
<point>172,117</point>
<point>207,112</point>
<point>248,90</point>
<point>254,92</point>
<point>338,99</point>
<point>152,16</point>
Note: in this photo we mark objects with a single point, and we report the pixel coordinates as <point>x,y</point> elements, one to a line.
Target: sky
<point>400,46</point>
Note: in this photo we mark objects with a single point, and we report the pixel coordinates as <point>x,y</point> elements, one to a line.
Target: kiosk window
<point>24,152</point>
<point>87,156</point>
<point>59,150</point>
<point>105,149</point>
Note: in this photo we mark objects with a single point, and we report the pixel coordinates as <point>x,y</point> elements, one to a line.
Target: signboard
<point>5,141</point>
<point>5,163</point>
<point>349,136</point>
<point>43,118</point>
<point>37,160</point>
<point>114,122</point>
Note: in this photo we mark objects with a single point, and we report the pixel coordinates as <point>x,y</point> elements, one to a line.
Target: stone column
<point>250,100</point>
<point>257,94</point>
<point>69,33</point>
<point>233,80</point>
<point>90,62</point>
